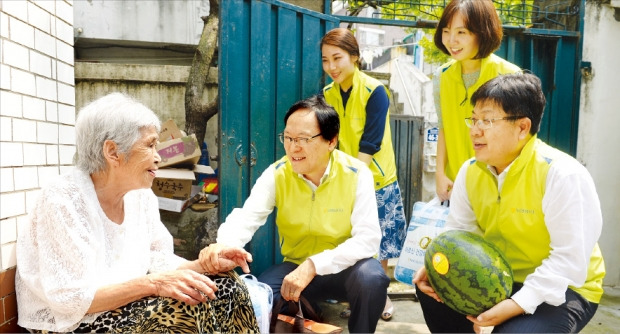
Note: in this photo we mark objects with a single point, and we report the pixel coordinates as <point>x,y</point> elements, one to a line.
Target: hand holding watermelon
<point>420,280</point>
<point>467,273</point>
<point>499,313</point>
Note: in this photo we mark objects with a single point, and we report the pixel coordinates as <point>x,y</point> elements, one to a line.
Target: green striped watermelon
<point>467,272</point>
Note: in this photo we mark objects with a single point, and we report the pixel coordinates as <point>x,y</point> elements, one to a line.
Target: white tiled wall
<point>37,107</point>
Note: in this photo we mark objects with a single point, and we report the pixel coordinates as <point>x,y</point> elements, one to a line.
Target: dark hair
<point>519,94</point>
<point>344,39</point>
<point>480,17</point>
<point>326,116</point>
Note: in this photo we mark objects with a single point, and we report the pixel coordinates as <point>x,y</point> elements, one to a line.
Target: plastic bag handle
<point>249,276</point>
<point>437,202</point>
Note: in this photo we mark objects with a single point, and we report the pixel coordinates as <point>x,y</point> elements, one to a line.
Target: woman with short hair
<point>469,31</point>
<point>94,254</point>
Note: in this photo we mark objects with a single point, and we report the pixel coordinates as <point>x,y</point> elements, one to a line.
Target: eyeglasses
<point>485,124</point>
<point>301,141</point>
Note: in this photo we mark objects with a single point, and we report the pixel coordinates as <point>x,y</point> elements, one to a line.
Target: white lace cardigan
<point>68,248</point>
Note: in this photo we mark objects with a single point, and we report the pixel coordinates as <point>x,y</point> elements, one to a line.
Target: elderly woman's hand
<point>217,258</point>
<point>185,285</point>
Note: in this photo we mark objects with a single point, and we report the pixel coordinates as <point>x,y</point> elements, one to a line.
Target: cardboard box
<point>202,169</point>
<point>173,183</point>
<point>178,205</point>
<point>179,152</point>
<point>169,130</point>
<point>174,205</point>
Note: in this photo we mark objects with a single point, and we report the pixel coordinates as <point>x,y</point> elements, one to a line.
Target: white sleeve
<point>365,234</point>
<point>437,96</point>
<point>461,215</point>
<point>162,245</point>
<point>573,218</point>
<point>57,257</point>
<point>242,223</point>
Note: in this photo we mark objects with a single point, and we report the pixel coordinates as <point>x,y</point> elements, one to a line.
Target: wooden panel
<point>554,59</point>
<point>234,63</point>
<point>312,32</point>
<point>269,59</point>
<point>262,113</point>
<point>7,282</point>
<point>408,142</point>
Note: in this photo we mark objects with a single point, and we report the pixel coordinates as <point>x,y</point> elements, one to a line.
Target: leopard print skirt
<point>230,312</point>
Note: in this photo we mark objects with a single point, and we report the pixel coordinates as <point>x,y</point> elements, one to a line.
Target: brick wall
<point>37,115</point>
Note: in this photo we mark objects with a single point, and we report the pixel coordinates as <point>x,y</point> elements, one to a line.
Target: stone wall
<point>191,230</point>
<point>598,143</point>
<point>315,5</point>
<point>160,87</point>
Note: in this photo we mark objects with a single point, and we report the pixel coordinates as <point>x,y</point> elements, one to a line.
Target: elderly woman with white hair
<point>94,255</point>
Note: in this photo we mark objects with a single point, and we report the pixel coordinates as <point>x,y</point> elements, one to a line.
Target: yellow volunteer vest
<point>513,219</point>
<point>352,122</point>
<point>456,105</point>
<point>308,221</point>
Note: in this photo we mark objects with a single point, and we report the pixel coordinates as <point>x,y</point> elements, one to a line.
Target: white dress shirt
<point>241,223</point>
<point>573,218</point>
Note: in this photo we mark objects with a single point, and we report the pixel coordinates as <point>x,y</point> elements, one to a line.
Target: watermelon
<point>467,272</point>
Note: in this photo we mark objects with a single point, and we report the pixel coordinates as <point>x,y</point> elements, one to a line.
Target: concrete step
<point>407,317</point>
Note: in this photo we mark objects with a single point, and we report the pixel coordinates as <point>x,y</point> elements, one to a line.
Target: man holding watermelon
<point>537,204</point>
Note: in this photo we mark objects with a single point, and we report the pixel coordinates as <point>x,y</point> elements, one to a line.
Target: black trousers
<point>570,317</point>
<point>363,285</point>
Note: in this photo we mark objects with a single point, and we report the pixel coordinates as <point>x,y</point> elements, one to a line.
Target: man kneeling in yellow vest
<point>537,204</point>
<point>327,219</point>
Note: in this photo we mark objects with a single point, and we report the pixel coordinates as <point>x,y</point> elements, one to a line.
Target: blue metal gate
<point>269,58</point>
<point>554,56</point>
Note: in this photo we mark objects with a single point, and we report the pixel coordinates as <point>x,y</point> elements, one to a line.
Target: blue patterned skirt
<point>392,220</point>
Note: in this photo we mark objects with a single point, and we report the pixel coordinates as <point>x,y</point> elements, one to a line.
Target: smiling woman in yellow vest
<point>363,106</point>
<point>538,205</point>
<point>469,32</point>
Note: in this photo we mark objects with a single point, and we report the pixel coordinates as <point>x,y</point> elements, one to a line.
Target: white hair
<point>116,117</point>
